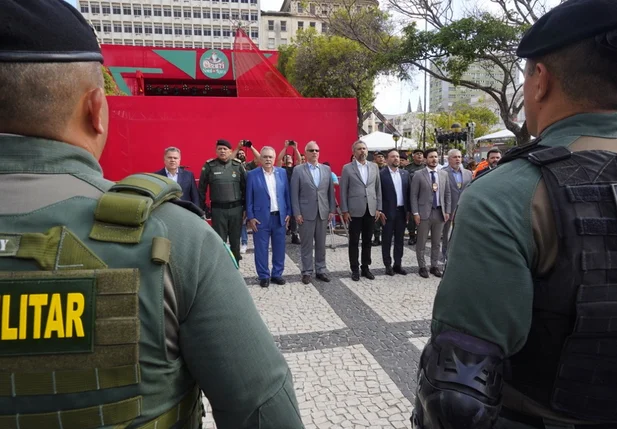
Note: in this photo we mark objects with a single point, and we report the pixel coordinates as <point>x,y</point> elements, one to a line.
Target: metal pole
<point>424,104</point>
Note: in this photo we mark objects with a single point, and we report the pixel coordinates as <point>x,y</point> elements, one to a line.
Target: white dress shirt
<point>173,177</point>
<point>363,171</point>
<point>271,184</point>
<point>398,186</point>
<point>436,181</point>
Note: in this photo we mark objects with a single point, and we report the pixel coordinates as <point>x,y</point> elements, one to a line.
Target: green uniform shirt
<point>227,181</point>
<point>210,330</point>
<point>412,167</point>
<point>497,247</point>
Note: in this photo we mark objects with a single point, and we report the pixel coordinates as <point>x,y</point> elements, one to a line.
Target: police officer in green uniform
<point>523,331</point>
<point>227,180</point>
<point>117,306</point>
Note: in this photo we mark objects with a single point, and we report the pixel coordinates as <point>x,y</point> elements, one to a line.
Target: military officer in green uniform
<point>226,178</point>
<point>523,333</point>
<point>117,306</point>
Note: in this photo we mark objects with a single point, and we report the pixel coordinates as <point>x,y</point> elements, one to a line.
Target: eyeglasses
<point>312,150</point>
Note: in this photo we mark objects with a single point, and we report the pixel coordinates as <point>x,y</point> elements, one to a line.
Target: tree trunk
<point>359,110</point>
<point>520,133</point>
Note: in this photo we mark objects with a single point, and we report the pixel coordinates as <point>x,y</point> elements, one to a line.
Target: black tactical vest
<point>569,362</point>
<point>225,181</point>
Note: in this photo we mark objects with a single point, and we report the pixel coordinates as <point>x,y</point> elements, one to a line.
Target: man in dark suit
<point>268,209</point>
<point>459,178</point>
<point>395,213</point>
<point>183,177</point>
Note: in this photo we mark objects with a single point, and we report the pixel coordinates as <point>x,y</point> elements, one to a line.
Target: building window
<point>270,25</point>
<point>226,33</point>
<point>127,10</point>
<point>283,25</point>
<point>271,43</point>
<point>197,31</point>
<point>187,13</point>
<point>137,28</point>
<point>324,9</point>
<point>106,27</point>
<point>254,16</point>
<point>97,27</point>
<point>169,44</point>
<point>117,27</point>
<point>139,43</point>
<point>245,16</point>
<point>137,10</point>
<point>216,15</point>
<point>188,31</point>
<point>168,29</point>
<point>84,8</point>
<point>157,11</point>
<point>177,13</point>
<point>206,14</point>
<point>148,28</point>
<point>167,12</point>
<point>283,41</point>
<point>158,29</point>
<point>159,43</point>
<point>149,43</point>
<point>116,9</point>
<point>300,25</point>
<point>106,9</point>
<point>324,27</point>
<point>128,28</point>
<point>312,24</point>
<point>300,8</point>
<point>312,8</point>
<point>253,1</point>
<point>225,15</point>
<point>244,1</point>
<point>207,32</point>
<point>235,15</point>
<point>217,33</point>
<point>224,1</point>
<point>178,31</point>
<point>254,34</point>
<point>95,9</point>
<point>196,14</point>
<point>147,11</point>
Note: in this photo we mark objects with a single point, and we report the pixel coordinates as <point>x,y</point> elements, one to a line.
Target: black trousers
<point>394,227</point>
<point>360,226</point>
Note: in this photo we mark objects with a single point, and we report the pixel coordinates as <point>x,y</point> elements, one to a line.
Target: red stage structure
<point>189,98</point>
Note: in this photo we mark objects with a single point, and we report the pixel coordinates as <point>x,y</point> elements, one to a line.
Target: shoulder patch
<point>236,161</point>
<point>233,258</point>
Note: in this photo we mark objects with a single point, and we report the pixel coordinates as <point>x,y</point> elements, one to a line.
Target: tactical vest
<point>224,181</point>
<point>72,328</point>
<point>569,360</point>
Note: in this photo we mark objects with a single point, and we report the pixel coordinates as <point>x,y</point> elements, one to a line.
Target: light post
<point>396,136</point>
<point>471,130</point>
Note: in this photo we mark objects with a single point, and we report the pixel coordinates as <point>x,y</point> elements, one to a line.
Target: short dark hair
<point>585,71</point>
<point>430,150</point>
<point>493,150</point>
<point>391,150</point>
<point>326,163</point>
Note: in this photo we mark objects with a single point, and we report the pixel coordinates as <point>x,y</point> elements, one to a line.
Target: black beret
<point>378,153</point>
<point>418,151</point>
<point>403,155</point>
<point>568,23</point>
<point>223,143</point>
<point>45,31</point>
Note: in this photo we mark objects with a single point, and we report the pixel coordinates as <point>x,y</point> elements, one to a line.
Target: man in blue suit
<point>184,178</point>
<point>395,211</point>
<point>268,209</point>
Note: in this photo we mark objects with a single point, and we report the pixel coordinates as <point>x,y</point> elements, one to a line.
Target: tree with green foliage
<point>482,116</point>
<point>331,66</point>
<point>110,84</point>
<point>446,51</point>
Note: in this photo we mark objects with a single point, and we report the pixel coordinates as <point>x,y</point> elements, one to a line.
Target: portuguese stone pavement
<point>353,347</point>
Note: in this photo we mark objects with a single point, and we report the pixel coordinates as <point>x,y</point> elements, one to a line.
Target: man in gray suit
<point>458,179</point>
<point>431,207</point>
<point>361,206</point>
<point>313,206</point>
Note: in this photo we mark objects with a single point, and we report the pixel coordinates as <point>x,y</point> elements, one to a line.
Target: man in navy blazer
<point>395,211</point>
<point>184,178</point>
<point>268,209</point>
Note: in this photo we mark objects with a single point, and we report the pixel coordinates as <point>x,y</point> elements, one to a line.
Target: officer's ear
<point>97,110</point>
<point>543,82</point>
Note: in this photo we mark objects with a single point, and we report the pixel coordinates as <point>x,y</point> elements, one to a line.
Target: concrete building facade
<point>172,23</point>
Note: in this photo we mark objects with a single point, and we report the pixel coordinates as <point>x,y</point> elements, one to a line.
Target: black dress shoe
<point>435,271</point>
<point>389,271</point>
<point>355,276</point>
<point>412,241</point>
<point>306,279</point>
<point>323,277</point>
<point>295,239</point>
<point>278,280</point>
<point>399,270</point>
<point>423,272</point>
<point>367,273</point>
<point>376,242</point>
<point>264,282</point>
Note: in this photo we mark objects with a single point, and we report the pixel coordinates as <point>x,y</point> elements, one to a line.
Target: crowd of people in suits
<point>297,198</point>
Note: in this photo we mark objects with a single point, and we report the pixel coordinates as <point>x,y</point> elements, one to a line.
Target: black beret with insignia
<point>223,143</point>
<point>568,23</point>
<point>45,31</point>
<point>377,153</point>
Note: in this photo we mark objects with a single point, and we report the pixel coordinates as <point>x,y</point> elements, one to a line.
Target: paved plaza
<point>353,347</point>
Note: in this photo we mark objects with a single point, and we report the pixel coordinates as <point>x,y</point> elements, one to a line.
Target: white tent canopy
<point>382,141</point>
<point>499,135</point>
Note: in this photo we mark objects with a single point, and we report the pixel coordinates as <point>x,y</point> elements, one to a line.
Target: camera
<point>291,142</point>
<point>246,143</point>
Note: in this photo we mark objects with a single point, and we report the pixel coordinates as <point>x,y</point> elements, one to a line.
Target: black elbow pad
<point>459,384</point>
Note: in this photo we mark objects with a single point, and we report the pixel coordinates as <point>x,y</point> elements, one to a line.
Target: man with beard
<point>492,158</point>
<point>417,163</point>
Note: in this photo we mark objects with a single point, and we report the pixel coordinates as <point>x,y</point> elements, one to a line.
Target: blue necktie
<point>434,191</point>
